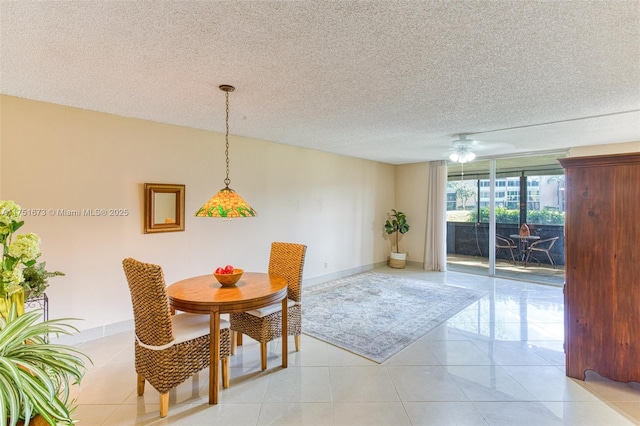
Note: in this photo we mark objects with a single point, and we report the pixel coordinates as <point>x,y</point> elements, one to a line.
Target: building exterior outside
<point>543,192</point>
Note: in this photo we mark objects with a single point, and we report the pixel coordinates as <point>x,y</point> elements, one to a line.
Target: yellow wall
<point>55,157</point>
<point>412,181</point>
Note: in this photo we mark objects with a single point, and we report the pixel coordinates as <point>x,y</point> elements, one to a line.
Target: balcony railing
<point>472,239</point>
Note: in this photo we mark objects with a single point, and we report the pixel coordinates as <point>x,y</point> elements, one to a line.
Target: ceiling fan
<point>462,149</point>
<point>465,149</point>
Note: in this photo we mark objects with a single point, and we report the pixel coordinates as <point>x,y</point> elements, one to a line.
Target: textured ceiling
<point>392,81</point>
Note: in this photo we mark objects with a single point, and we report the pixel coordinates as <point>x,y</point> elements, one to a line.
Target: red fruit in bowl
<point>228,269</point>
<point>220,270</point>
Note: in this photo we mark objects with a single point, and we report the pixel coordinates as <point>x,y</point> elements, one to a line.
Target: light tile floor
<point>499,362</point>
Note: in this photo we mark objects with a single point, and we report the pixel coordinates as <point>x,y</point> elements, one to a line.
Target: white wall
<point>55,157</point>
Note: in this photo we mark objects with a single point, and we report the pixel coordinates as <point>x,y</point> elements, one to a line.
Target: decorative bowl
<point>228,280</point>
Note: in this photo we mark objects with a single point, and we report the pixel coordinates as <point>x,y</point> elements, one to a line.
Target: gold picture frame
<point>163,207</point>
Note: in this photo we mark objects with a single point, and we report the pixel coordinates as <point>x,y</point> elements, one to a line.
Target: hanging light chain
<point>227,181</point>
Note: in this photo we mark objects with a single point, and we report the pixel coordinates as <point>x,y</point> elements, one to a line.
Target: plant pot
<point>14,294</point>
<point>38,420</point>
<point>397,260</point>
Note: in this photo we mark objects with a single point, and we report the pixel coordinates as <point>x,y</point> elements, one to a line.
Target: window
<point>541,178</point>
<point>545,204</point>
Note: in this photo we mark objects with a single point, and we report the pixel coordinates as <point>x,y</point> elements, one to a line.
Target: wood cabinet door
<point>602,290</point>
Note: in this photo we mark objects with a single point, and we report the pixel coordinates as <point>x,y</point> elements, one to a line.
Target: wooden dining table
<point>204,295</point>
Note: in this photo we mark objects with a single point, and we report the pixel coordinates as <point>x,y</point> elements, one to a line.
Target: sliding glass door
<point>516,191</point>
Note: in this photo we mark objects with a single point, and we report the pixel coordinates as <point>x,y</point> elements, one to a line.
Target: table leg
<point>285,333</point>
<point>523,251</point>
<point>214,356</point>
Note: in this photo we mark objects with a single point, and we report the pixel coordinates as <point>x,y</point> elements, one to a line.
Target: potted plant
<point>36,279</point>
<point>397,223</point>
<point>36,376</point>
<point>18,251</point>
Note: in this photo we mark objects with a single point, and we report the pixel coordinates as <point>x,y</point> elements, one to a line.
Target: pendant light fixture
<point>461,153</point>
<point>226,203</point>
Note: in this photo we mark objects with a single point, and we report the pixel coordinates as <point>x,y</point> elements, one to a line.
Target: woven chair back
<point>287,261</point>
<point>151,310</point>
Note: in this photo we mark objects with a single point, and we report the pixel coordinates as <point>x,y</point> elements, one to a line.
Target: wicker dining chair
<point>265,324</point>
<point>169,349</point>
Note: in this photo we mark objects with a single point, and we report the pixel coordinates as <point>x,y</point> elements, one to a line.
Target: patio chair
<point>169,349</point>
<point>504,243</point>
<point>541,246</point>
<point>265,324</point>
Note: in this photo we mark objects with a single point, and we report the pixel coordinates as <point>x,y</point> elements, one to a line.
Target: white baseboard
<point>95,333</point>
<point>340,274</point>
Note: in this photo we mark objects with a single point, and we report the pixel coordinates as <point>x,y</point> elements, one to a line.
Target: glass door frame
<point>492,217</point>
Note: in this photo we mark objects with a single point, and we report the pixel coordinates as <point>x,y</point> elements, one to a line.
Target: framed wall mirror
<point>163,207</point>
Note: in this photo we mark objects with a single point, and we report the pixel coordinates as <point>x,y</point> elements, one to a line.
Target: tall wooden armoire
<point>602,255</point>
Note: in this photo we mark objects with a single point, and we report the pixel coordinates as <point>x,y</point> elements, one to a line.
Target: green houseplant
<point>35,375</point>
<point>397,223</point>
<point>36,279</point>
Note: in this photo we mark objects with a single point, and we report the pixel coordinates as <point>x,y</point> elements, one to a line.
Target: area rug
<point>377,315</point>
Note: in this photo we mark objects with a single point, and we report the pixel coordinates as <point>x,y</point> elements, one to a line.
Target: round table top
<point>525,237</point>
<point>203,294</point>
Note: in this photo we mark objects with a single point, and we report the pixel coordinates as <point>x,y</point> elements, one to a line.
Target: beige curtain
<point>435,249</point>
